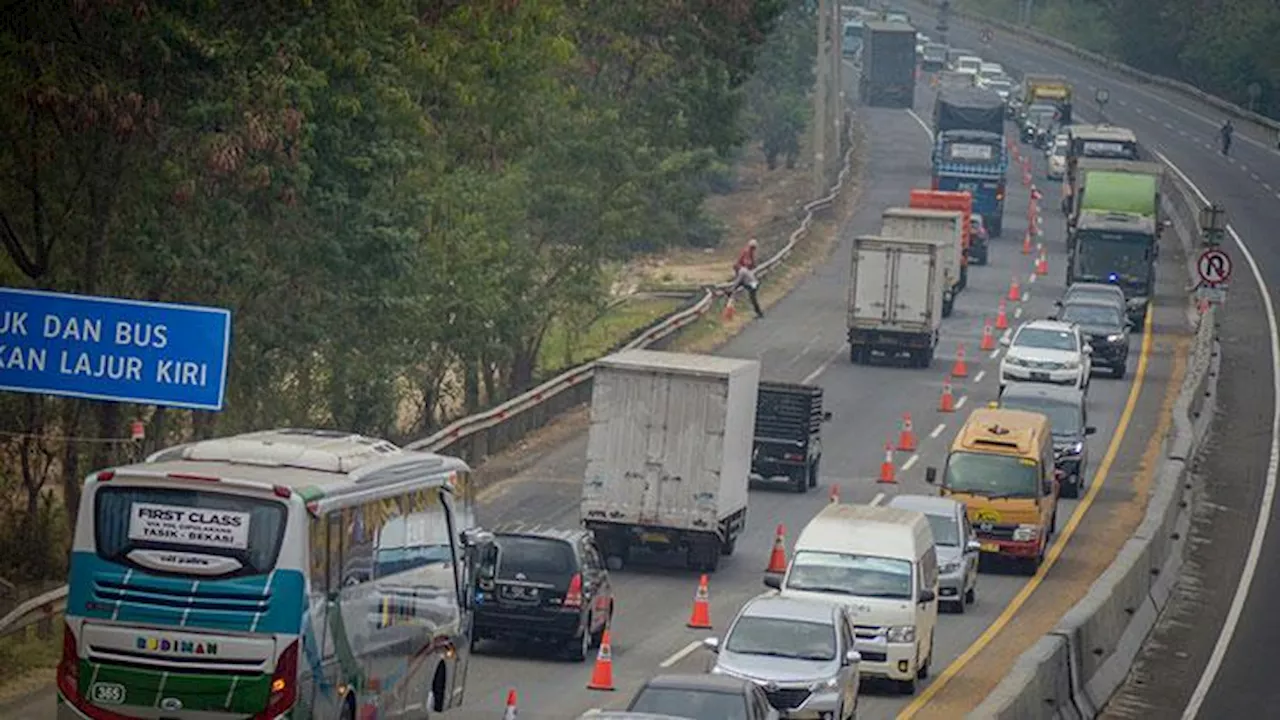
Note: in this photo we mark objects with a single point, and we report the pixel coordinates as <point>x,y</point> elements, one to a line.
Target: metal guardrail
<point>1177,86</point>
<point>477,436</point>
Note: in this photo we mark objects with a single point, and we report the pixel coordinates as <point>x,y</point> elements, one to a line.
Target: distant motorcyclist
<point>1227,131</point>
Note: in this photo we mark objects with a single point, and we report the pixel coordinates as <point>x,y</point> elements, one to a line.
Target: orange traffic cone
<point>1026,243</point>
<point>835,495</point>
<point>948,402</point>
<point>728,312</point>
<point>1026,178</point>
<point>1036,194</point>
<point>886,467</point>
<point>1015,290</point>
<point>906,436</point>
<point>960,368</point>
<point>510,713</point>
<point>988,338</point>
<point>1002,317</point>
<point>602,675</point>
<point>700,618</point>
<point>778,557</point>
<point>1042,263</point>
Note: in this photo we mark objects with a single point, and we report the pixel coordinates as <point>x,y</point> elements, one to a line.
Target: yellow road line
<point>1010,610</point>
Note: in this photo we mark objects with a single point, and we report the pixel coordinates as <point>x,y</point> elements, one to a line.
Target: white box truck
<point>946,226</point>
<point>669,454</point>
<point>895,298</point>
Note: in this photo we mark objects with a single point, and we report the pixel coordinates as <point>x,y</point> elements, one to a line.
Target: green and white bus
<point>277,574</point>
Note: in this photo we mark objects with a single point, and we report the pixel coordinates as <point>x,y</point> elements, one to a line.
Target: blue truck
<point>969,151</point>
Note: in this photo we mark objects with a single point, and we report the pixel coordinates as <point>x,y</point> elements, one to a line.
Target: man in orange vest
<point>745,276</point>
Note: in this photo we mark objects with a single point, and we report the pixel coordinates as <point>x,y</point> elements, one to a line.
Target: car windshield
<point>857,575</point>
<point>998,476</point>
<point>539,559</point>
<point>692,703</point>
<point>1046,339</point>
<point>782,637</point>
<point>1064,418</point>
<point>946,531</point>
<point>1127,256</point>
<point>969,63</point>
<point>999,85</point>
<point>1097,315</point>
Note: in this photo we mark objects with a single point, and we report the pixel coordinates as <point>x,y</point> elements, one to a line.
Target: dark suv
<point>549,585</point>
<point>1068,421</point>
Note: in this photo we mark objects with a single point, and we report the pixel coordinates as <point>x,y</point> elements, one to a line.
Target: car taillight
<point>573,597</point>
<point>284,684</point>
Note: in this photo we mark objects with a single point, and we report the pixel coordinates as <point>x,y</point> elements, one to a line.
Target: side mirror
<point>926,596</point>
<point>931,475</point>
<point>1057,303</point>
<point>973,546</point>
<point>1128,324</point>
<point>1090,430</point>
<point>712,644</point>
<point>773,580</point>
<point>1088,349</point>
<point>1047,487</point>
<point>826,416</point>
<point>853,657</point>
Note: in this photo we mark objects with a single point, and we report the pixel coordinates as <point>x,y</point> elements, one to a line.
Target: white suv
<point>1047,351</point>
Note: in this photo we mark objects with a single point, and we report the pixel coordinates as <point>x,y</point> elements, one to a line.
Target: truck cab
<point>1001,466</point>
<point>788,434</point>
<point>1120,249</point>
<point>1096,141</point>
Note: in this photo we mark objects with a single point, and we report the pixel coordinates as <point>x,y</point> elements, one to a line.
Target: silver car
<point>958,547</point>
<point>800,651</point>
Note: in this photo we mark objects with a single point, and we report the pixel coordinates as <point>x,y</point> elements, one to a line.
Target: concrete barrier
<point>1091,650</point>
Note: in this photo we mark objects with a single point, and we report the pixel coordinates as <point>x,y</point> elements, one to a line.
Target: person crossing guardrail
<point>745,276</point>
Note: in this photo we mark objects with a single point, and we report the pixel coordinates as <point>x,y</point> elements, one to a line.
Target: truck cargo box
<point>895,298</point>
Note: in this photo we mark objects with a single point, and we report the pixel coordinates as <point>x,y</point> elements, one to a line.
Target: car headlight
<point>1115,338</point>
<point>950,567</point>
<point>1070,450</point>
<point>1015,361</point>
<point>1071,365</point>
<point>1026,533</point>
<point>902,634</point>
<point>828,685</point>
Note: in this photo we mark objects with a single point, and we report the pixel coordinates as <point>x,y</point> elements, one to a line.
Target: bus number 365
<point>108,693</point>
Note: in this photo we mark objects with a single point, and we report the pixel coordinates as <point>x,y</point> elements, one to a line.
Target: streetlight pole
<point>820,102</point>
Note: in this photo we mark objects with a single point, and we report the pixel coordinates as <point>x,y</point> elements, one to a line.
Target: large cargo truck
<point>669,454</point>
<point>895,299</point>
<point>943,226</point>
<point>788,441</point>
<point>1049,89</point>
<point>969,152</point>
<point>888,65</point>
<point>960,201</point>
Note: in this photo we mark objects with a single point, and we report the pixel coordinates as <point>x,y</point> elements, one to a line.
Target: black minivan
<point>550,585</point>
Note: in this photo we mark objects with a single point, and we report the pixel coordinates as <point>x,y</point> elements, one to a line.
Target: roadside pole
<point>820,102</point>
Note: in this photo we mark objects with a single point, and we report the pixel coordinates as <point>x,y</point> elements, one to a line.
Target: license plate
<point>521,593</point>
<point>1043,377</point>
<point>654,537</point>
<point>991,547</point>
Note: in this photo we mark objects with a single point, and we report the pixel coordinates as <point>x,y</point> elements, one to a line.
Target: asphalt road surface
<point>1236,474</point>
<point>802,339</point>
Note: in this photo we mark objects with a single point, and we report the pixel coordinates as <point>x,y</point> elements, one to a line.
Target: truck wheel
<point>704,555</point>
<point>616,551</point>
<point>964,278</point>
<point>800,481</point>
<point>813,473</point>
<point>1120,369</point>
<point>858,354</point>
<point>729,545</point>
<point>947,307</point>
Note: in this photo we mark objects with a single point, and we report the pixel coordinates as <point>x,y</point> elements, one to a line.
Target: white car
<point>1046,351</point>
<point>1057,158</point>
<point>989,71</point>
<point>968,65</point>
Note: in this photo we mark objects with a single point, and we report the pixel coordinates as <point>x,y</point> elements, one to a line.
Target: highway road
<point>1214,647</point>
<point>802,339</point>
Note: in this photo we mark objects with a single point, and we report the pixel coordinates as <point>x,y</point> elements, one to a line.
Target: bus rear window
<point>188,532</point>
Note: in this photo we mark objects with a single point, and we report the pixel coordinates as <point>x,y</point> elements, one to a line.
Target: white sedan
<point>1047,351</point>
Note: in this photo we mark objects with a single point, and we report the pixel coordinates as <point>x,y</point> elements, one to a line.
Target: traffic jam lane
<point>1211,648</point>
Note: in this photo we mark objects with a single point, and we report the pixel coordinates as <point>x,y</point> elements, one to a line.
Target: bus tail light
<point>573,597</point>
<point>284,684</point>
<point>106,475</point>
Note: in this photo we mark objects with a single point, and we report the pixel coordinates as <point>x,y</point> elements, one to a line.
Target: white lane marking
<point>681,654</point>
<point>937,431</point>
<point>1017,312</point>
<point>961,401</point>
<point>879,498</point>
<point>1030,278</point>
<point>921,123</point>
<point>994,354</point>
<point>1269,491</point>
<point>911,462</point>
<point>981,374</point>
<point>825,364</point>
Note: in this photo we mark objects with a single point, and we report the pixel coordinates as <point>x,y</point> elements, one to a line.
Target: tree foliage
<point>396,198</point>
<point>1218,46</point>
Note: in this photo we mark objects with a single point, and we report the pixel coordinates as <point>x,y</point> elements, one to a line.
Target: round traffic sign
<point>1214,266</point>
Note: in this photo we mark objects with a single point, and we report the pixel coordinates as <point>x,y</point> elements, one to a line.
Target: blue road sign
<point>112,349</point>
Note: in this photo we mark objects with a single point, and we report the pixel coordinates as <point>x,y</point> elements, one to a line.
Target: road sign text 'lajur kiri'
<point>113,349</point>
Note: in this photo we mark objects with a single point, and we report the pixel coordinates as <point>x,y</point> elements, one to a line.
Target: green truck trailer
<point>1114,231</point>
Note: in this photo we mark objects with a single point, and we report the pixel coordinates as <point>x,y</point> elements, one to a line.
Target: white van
<point>882,564</point>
